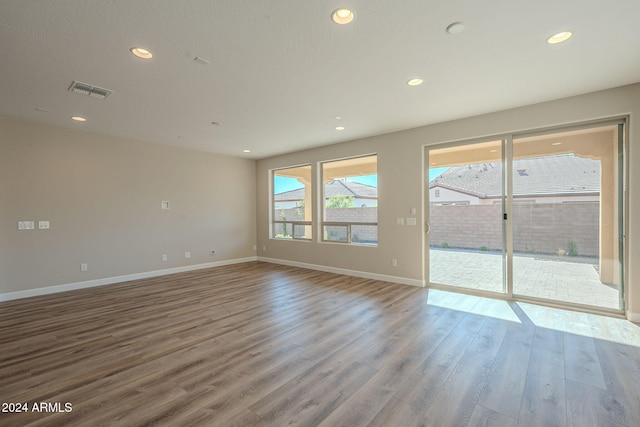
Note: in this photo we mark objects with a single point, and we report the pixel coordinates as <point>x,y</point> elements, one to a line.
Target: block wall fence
<point>542,228</point>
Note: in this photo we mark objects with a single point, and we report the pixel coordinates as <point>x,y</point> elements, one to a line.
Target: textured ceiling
<point>281,71</point>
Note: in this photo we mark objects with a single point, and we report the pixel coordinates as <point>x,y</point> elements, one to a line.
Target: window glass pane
<point>301,231</point>
<point>335,233</point>
<point>364,234</point>
<point>291,203</point>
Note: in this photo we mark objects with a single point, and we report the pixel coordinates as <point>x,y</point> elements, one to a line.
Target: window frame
<point>323,223</point>
<point>274,222</point>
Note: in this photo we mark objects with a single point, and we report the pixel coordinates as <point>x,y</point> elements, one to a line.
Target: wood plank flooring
<point>258,344</point>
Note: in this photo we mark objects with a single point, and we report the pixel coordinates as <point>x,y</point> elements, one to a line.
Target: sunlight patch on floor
<point>591,325</point>
<point>472,304</point>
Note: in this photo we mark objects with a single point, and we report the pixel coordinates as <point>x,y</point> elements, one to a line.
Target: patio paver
<point>561,280</point>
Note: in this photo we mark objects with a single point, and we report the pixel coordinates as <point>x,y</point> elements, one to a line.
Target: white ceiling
<point>280,71</point>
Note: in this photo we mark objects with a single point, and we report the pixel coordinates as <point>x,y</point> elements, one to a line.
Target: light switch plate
<point>26,225</point>
<point>44,225</point>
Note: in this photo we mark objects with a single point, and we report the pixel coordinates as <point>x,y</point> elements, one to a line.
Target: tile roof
<point>336,187</point>
<point>562,174</point>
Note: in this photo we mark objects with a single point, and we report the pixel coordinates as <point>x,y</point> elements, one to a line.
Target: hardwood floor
<point>260,344</point>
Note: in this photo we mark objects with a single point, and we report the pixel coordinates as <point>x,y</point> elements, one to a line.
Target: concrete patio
<point>568,280</point>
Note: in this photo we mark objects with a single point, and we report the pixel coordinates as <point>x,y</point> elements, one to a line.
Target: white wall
<point>103,198</point>
<point>401,184</point>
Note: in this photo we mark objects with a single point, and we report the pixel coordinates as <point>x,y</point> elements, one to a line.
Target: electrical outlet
<point>187,254</point>
<point>394,262</point>
<point>43,225</point>
<point>84,267</point>
<point>399,220</point>
<point>255,247</point>
<point>164,257</point>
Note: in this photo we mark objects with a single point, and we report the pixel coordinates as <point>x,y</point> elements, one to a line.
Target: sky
<point>283,183</point>
<point>433,172</point>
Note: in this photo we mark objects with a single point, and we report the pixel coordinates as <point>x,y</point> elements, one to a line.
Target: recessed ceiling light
<point>559,37</point>
<point>415,82</point>
<point>338,118</point>
<point>557,143</point>
<point>493,151</point>
<point>339,127</point>
<point>246,151</point>
<point>141,52</point>
<point>78,119</point>
<point>455,28</point>
<point>342,16</point>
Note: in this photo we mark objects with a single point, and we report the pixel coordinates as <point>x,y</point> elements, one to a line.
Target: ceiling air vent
<point>89,90</point>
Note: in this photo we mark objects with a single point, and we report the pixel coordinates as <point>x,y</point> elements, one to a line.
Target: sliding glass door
<point>466,209</point>
<point>535,216</point>
<point>565,206</point>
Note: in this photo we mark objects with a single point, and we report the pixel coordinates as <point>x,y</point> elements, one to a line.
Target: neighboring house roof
<point>564,174</point>
<point>336,187</point>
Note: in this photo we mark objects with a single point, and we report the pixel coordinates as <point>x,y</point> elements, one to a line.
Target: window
<point>350,200</point>
<point>292,204</point>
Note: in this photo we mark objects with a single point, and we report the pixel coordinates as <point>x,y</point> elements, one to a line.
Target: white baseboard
<point>117,279</point>
<point>630,315</point>
<point>346,272</point>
